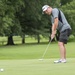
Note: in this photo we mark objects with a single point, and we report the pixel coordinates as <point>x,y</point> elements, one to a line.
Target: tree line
<point>24,17</point>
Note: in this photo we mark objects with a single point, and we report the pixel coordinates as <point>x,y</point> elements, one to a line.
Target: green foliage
<point>69,10</point>
<point>33,22</point>
<point>25,16</point>
<point>9,23</point>
<point>64,2</point>
<point>28,16</point>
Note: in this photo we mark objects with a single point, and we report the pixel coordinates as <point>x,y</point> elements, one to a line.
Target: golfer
<point>59,23</point>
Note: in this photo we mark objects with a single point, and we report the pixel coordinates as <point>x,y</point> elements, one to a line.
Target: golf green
<point>36,67</point>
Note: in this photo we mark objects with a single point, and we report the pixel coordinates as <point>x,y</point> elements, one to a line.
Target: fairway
<point>24,60</point>
<point>36,67</point>
<point>34,51</point>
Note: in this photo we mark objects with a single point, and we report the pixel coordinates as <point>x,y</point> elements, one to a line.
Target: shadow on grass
<point>29,44</point>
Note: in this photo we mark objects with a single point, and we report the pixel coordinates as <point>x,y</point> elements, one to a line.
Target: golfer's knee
<point>60,43</point>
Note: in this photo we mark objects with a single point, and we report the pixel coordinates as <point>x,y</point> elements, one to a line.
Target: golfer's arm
<point>54,26</point>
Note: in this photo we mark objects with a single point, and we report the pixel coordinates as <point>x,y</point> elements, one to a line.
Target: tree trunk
<point>38,37</point>
<point>10,40</point>
<point>23,39</point>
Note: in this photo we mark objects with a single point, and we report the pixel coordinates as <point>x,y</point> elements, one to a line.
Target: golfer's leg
<point>62,50</point>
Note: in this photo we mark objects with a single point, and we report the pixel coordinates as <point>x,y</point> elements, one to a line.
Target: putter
<point>45,50</point>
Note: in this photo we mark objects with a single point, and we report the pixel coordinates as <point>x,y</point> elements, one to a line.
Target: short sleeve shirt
<point>61,25</point>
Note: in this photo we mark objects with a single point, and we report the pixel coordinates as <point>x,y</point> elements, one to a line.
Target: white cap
<point>44,8</point>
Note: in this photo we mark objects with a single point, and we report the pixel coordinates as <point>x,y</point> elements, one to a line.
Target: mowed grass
<point>23,60</point>
<point>36,67</point>
<point>35,51</point>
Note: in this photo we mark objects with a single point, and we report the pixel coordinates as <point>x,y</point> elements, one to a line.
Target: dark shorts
<point>63,37</point>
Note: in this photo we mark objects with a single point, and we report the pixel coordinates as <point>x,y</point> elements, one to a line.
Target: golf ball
<point>1,70</point>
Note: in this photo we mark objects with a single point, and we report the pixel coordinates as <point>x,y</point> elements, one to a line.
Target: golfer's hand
<point>52,36</point>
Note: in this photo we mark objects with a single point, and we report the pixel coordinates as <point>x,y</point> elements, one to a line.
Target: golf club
<point>45,50</point>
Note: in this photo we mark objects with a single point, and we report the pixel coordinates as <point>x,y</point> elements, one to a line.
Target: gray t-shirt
<point>61,25</point>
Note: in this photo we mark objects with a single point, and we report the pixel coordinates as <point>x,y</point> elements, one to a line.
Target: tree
<point>64,2</point>
<point>69,10</point>
<point>10,24</point>
<point>21,17</point>
<point>2,13</point>
<point>32,21</point>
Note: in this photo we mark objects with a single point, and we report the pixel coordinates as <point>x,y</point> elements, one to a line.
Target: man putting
<point>59,23</point>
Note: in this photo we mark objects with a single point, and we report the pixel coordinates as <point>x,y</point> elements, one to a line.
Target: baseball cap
<point>44,8</point>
